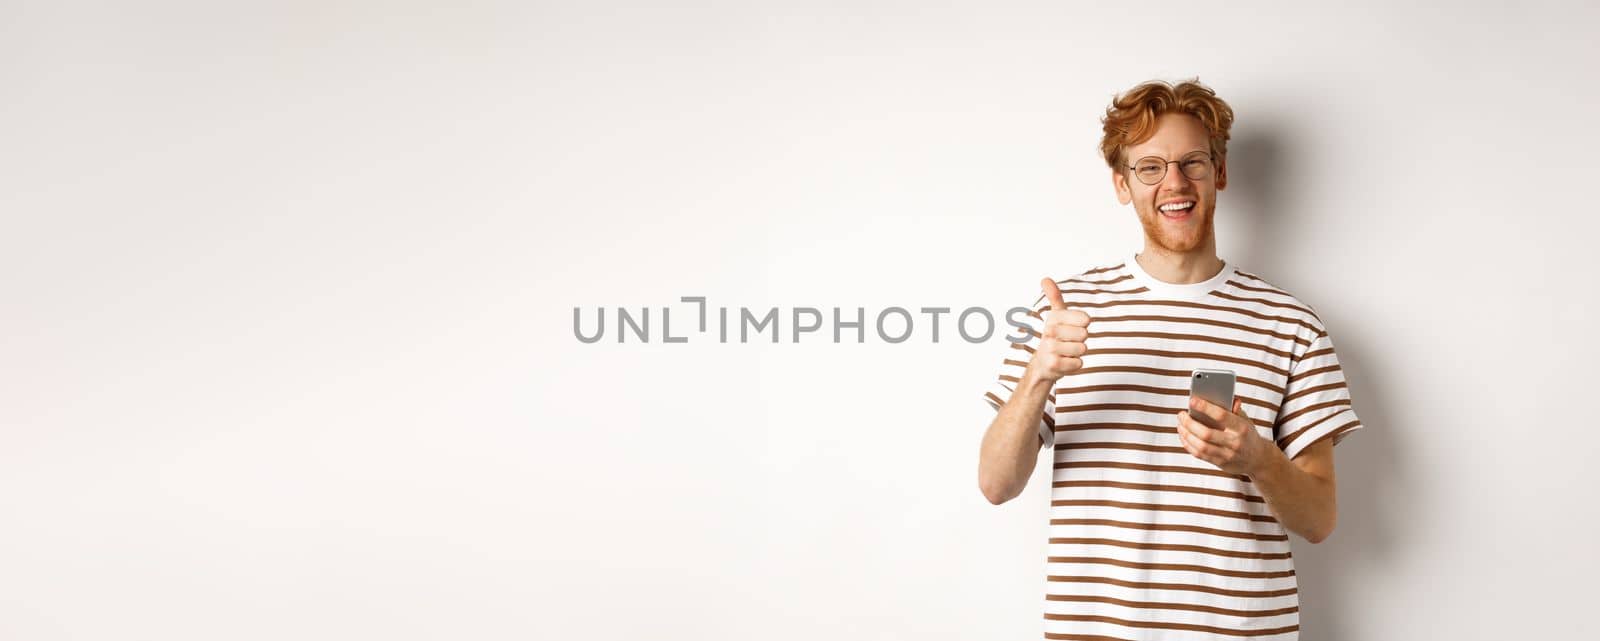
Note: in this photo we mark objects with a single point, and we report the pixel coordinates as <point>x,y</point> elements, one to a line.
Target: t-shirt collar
<point>1185,291</point>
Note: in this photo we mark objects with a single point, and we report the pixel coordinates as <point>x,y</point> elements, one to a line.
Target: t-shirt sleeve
<point>1014,363</point>
<point>1316,403</point>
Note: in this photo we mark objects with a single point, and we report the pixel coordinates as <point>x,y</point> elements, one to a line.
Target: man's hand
<point>1061,345</point>
<point>1235,447</point>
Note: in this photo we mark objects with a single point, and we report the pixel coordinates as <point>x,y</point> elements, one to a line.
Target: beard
<point>1182,238</point>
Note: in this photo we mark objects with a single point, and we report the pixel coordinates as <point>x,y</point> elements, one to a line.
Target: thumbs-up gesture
<point>1061,347</point>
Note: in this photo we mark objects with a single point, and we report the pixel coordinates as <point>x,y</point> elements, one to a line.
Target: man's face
<point>1183,231</point>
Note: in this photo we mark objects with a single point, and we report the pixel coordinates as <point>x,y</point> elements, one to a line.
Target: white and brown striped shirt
<point>1147,541</point>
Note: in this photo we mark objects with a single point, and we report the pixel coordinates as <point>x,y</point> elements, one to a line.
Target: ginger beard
<point>1177,236</point>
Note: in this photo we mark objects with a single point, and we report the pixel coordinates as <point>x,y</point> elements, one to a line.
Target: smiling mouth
<point>1177,210</point>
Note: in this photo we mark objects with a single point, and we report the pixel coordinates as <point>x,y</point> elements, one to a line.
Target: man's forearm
<point>1010,447</point>
<point>1303,502</point>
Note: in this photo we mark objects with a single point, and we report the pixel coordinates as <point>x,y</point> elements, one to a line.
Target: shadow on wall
<point>1371,482</point>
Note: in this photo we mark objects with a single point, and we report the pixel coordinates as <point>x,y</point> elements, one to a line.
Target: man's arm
<point>1012,443</point>
<point>1010,448</point>
<point>1300,492</point>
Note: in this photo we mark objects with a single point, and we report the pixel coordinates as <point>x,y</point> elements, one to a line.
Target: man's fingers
<point>1065,332</point>
<point>1070,348</point>
<point>1052,292</point>
<point>1199,431</point>
<point>1195,446</point>
<point>1058,308</point>
<point>1210,409</point>
<point>1074,317</point>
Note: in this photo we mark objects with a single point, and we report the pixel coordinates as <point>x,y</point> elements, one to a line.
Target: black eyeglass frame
<point>1211,160</point>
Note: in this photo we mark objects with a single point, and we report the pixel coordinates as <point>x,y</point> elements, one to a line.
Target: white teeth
<point>1176,206</point>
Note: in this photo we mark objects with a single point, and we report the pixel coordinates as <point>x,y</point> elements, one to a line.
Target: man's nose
<point>1175,180</point>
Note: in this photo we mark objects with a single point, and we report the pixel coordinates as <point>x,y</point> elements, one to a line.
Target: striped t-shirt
<point>1146,540</point>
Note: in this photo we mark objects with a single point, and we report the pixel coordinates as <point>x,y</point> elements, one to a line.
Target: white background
<point>286,297</point>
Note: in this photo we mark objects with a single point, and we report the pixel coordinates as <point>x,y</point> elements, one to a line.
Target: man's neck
<point>1179,269</point>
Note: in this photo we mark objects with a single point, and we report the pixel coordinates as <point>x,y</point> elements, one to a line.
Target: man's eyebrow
<point>1179,155</point>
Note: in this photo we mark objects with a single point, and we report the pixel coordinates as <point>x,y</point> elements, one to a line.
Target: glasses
<point>1151,170</point>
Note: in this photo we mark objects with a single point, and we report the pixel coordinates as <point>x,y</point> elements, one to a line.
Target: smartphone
<point>1214,385</point>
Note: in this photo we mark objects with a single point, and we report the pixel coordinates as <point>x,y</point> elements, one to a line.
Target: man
<point>1162,526</point>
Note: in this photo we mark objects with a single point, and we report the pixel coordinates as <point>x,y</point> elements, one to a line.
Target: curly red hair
<point>1131,118</point>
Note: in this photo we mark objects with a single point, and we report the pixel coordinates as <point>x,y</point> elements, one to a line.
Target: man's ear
<point>1222,175</point>
<point>1120,183</point>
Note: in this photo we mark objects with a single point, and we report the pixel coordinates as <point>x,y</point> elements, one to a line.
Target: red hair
<point>1131,118</point>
